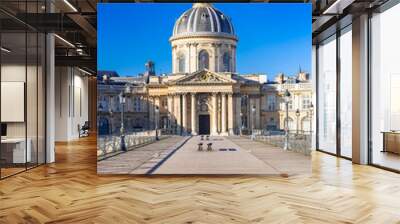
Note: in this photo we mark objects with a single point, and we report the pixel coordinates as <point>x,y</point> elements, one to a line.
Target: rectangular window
<point>290,104</point>
<point>271,102</point>
<point>327,95</point>
<point>306,102</point>
<point>346,92</point>
<point>385,88</point>
<point>22,76</point>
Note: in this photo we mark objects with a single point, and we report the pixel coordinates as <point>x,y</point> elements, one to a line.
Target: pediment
<point>205,77</point>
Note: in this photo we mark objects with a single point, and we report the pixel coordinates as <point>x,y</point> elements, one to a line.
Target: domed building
<point>203,38</point>
<point>204,94</point>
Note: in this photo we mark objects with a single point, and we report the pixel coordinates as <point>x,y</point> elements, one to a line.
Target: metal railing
<point>110,145</point>
<point>298,141</point>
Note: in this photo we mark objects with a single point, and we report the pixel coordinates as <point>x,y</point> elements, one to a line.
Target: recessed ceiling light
<point>5,50</point>
<point>64,40</point>
<point>84,71</point>
<point>70,5</point>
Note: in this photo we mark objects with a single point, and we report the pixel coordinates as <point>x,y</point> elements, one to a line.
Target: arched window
<point>292,124</point>
<point>226,60</point>
<point>203,60</point>
<point>271,124</point>
<point>305,124</point>
<point>104,128</point>
<point>181,63</point>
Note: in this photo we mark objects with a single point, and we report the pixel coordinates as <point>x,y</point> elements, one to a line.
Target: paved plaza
<point>139,160</point>
<point>229,155</point>
<point>226,157</point>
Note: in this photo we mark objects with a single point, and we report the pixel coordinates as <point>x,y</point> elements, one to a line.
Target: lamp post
<point>297,125</point>
<point>253,112</point>
<point>122,101</point>
<point>287,100</point>
<point>111,118</point>
<point>157,110</point>
<point>242,123</point>
<point>311,117</point>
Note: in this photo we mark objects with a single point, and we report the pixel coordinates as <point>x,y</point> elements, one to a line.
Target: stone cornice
<point>203,34</point>
<point>202,84</point>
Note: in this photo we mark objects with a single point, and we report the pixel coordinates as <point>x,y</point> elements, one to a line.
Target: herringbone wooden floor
<point>70,191</point>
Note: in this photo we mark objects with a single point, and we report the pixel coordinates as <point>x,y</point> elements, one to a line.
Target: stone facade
<point>204,94</point>
<point>300,111</point>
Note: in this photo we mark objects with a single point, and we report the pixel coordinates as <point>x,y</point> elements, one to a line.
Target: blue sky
<point>273,38</point>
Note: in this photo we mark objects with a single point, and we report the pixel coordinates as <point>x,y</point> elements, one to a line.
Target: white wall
<point>71,102</point>
<point>327,95</point>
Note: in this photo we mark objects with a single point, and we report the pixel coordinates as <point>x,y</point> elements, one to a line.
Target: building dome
<point>203,19</point>
<point>203,38</point>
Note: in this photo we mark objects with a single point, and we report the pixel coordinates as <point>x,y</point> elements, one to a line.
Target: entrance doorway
<point>204,124</point>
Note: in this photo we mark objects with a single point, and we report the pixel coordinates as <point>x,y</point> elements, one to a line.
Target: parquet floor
<point>70,191</point>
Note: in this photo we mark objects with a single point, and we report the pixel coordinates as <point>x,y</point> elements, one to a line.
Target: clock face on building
<point>203,107</point>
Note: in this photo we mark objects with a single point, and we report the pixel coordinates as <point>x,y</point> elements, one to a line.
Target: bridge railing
<point>110,145</point>
<point>298,141</point>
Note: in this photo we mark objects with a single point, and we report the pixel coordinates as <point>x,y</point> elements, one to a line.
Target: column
<point>258,111</point>
<point>194,114</point>
<point>230,50</point>
<point>223,114</point>
<point>214,130</point>
<point>359,90</point>
<point>184,114</point>
<point>177,111</point>
<point>233,58</point>
<point>249,113</point>
<point>169,102</point>
<point>151,112</point>
<point>157,115</point>
<point>248,124</point>
<point>194,59</point>
<point>188,58</point>
<point>212,61</point>
<point>218,58</point>
<point>230,114</point>
<point>238,110</point>
<point>215,58</point>
<point>50,95</point>
<point>174,64</point>
<point>142,103</point>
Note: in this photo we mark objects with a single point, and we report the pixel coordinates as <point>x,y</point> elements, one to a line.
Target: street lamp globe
<point>287,95</point>
<point>122,130</point>
<point>311,109</point>
<point>122,98</point>
<point>253,111</point>
<point>127,89</point>
<point>297,125</point>
<point>157,110</point>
